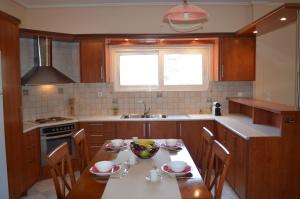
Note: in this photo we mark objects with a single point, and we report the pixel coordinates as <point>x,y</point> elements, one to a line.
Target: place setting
<point>172,145</point>
<point>116,145</point>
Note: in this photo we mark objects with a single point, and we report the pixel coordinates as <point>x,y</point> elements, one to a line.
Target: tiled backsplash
<point>98,98</point>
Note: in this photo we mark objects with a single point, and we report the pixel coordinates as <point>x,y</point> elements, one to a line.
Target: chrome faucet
<point>146,111</point>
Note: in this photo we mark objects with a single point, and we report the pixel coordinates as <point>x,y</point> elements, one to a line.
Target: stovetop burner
<point>51,119</point>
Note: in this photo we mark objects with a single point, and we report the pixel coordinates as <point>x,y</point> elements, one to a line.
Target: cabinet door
<point>237,59</point>
<point>240,166</point>
<point>126,130</point>
<point>189,132</point>
<point>230,146</point>
<point>11,82</point>
<point>221,134</point>
<point>32,156</point>
<point>97,133</point>
<point>92,59</point>
<point>162,130</point>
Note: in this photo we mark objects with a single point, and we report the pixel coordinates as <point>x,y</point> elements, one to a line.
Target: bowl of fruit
<point>144,149</point>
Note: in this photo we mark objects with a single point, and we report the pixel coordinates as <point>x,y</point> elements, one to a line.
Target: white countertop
<point>244,127</point>
<point>239,124</point>
<point>28,126</point>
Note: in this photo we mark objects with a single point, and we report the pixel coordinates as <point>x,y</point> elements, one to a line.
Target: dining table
<point>190,187</point>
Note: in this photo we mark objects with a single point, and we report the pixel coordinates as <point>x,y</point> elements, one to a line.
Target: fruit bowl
<point>144,149</point>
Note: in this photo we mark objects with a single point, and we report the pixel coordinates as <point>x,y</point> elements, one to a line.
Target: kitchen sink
<point>136,116</point>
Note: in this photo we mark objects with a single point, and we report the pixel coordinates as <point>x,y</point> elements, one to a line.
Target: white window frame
<point>205,49</point>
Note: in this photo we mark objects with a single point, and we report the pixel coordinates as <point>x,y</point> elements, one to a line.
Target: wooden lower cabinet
<point>32,157</point>
<point>127,130</point>
<point>162,130</point>
<point>237,147</point>
<point>189,132</point>
<point>97,133</point>
<point>258,167</point>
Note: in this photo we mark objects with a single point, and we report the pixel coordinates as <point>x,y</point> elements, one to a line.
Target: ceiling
<point>69,3</point>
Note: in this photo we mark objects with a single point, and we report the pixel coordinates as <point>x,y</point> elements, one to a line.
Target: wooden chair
<point>204,151</point>
<point>58,161</point>
<point>217,169</point>
<point>81,149</point>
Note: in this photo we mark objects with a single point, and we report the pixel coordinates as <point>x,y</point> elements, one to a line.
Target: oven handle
<point>55,137</point>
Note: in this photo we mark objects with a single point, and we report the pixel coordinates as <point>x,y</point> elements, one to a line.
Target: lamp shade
<point>185,14</point>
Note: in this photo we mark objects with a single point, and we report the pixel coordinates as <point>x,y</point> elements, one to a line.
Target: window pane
<point>183,69</point>
<point>138,70</point>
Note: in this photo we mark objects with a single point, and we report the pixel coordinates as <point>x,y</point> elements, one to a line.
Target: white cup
<point>171,142</point>
<point>135,139</point>
<point>117,142</point>
<point>132,160</point>
<point>153,175</point>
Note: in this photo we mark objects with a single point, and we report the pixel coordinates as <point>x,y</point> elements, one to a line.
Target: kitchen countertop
<point>28,126</point>
<point>244,127</point>
<point>239,124</point>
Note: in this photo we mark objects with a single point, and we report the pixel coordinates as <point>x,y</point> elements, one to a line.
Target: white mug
<point>153,175</point>
<point>135,139</point>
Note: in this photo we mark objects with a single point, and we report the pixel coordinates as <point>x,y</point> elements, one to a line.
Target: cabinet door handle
<point>95,124</point>
<point>96,135</point>
<point>180,130</point>
<point>222,71</point>
<point>149,129</point>
<point>102,73</point>
<point>144,130</point>
<point>95,146</point>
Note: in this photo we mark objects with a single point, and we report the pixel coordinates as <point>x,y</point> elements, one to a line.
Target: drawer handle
<point>93,147</point>
<point>96,124</point>
<point>95,135</point>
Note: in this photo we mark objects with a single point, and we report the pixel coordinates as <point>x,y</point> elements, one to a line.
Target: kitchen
<point>85,54</point>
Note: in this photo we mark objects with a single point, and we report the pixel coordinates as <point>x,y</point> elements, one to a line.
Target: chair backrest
<point>81,149</point>
<point>204,151</point>
<point>217,169</point>
<point>59,161</point>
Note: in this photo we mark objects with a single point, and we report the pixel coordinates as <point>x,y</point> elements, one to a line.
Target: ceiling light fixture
<point>255,31</point>
<point>283,19</point>
<point>186,17</point>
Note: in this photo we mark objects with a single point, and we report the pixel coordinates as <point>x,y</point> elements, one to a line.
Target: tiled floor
<point>45,190</point>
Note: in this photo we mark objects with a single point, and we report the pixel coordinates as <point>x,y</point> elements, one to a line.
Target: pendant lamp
<point>185,17</point>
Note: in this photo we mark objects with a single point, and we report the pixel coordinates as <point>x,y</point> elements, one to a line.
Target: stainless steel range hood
<point>43,72</point>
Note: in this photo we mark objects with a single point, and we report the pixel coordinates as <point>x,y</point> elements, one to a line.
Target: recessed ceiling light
<point>196,39</point>
<point>126,39</point>
<point>255,31</point>
<point>283,19</point>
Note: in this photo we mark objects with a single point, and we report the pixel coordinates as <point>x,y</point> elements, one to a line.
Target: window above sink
<point>156,68</point>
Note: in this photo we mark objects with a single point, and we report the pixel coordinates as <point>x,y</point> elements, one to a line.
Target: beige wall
<point>275,63</point>
<point>12,8</point>
<point>129,19</point>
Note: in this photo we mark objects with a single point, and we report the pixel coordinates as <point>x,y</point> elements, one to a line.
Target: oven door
<point>50,142</point>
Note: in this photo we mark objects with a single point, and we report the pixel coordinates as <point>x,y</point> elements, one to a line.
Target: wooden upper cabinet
<point>237,59</point>
<point>92,60</point>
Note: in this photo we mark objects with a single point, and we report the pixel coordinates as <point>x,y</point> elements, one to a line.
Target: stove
<point>51,120</point>
<point>54,135</point>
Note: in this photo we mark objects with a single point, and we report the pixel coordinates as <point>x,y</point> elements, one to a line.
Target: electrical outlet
<point>60,90</point>
<point>25,92</point>
<point>100,94</point>
<point>159,94</point>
